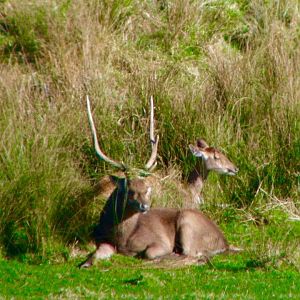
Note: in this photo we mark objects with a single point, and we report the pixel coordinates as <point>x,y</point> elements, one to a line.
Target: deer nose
<point>233,171</point>
<point>144,207</point>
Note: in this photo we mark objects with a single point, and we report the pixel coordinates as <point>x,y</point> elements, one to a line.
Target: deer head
<point>132,190</point>
<point>213,159</point>
<point>138,193</point>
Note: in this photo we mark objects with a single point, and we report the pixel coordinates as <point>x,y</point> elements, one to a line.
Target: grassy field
<point>250,275</point>
<point>226,71</point>
<point>230,278</point>
<point>267,269</point>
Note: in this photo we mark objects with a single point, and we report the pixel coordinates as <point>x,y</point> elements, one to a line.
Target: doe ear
<point>202,144</point>
<point>198,152</point>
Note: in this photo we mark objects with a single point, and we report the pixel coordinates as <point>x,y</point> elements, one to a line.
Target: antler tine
<point>154,141</point>
<point>152,121</point>
<point>99,153</point>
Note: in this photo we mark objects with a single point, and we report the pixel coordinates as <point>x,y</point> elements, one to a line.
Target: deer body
<point>129,229</point>
<point>125,227</point>
<point>185,231</point>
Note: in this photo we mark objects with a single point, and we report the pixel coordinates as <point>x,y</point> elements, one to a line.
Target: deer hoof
<point>85,265</point>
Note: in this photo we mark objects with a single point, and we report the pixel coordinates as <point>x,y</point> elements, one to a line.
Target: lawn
<point>228,277</point>
<point>268,268</point>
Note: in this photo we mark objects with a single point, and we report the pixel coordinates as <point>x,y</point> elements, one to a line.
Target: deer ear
<point>198,152</point>
<point>202,144</point>
<point>148,193</point>
<point>117,181</point>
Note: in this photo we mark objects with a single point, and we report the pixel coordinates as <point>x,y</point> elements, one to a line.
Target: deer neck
<point>119,210</point>
<point>196,180</point>
<point>114,213</point>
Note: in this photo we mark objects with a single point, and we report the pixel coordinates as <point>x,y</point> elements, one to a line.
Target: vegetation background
<point>227,71</point>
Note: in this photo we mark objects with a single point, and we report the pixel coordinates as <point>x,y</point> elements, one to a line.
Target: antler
<point>99,153</point>
<point>151,164</point>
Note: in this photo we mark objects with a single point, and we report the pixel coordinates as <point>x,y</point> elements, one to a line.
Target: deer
<point>129,226</point>
<point>209,159</point>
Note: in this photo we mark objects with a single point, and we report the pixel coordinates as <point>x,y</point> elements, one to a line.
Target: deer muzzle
<point>144,207</point>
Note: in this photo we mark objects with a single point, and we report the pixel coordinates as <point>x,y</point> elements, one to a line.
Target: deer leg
<point>156,250</point>
<point>202,247</point>
<point>103,251</point>
<point>186,240</point>
<point>138,245</point>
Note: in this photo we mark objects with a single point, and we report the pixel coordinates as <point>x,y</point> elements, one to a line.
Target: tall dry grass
<point>227,71</point>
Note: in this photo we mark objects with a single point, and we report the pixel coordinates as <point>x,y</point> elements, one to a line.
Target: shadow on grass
<point>242,265</point>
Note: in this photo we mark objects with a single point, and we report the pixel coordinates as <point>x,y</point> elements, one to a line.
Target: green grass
<point>122,278</point>
<point>268,268</point>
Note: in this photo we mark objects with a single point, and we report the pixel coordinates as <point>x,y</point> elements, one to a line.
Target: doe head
<point>213,159</point>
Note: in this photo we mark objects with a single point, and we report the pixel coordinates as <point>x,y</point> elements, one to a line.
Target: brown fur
<point>127,225</point>
<point>158,232</point>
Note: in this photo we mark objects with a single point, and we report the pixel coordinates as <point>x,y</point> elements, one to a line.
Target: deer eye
<point>216,155</point>
<point>130,194</point>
